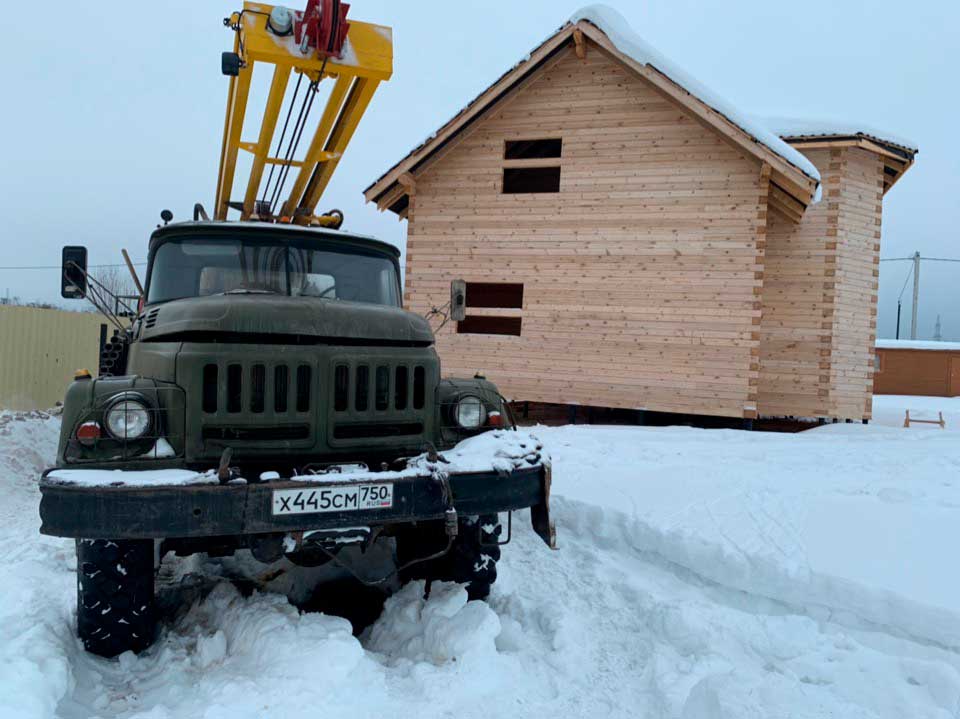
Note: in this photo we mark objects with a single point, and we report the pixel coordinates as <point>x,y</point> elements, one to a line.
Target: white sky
<point>118,112</point>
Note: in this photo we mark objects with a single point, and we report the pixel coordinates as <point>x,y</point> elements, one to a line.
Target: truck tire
<point>116,612</point>
<point>472,560</point>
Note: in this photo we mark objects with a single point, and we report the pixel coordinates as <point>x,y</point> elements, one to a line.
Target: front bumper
<point>186,512</point>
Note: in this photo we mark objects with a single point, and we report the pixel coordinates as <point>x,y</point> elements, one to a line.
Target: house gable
<point>796,184</point>
<point>640,278</point>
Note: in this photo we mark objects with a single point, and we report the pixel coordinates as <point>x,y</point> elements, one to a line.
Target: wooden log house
<point>629,240</point>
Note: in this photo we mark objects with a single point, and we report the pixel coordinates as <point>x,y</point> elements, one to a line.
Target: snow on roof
<point>797,127</point>
<point>918,345</point>
<point>615,27</point>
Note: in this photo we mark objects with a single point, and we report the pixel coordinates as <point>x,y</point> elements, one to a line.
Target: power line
<point>57,267</point>
<point>905,283</point>
<point>925,259</point>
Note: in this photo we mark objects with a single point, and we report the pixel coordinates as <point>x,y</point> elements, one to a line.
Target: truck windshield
<point>200,268</point>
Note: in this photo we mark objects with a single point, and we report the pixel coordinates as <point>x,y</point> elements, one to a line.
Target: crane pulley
<point>314,45</point>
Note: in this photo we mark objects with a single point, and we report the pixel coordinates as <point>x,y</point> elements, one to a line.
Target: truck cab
<point>271,394</point>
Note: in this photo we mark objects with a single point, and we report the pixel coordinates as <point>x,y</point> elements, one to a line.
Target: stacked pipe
<point>113,355</point>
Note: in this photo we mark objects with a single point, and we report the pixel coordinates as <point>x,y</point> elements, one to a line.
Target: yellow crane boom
<point>273,36</point>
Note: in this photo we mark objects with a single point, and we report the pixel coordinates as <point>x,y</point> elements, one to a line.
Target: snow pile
<point>616,27</point>
<point>230,656</point>
<point>123,478</point>
<point>498,451</point>
<point>37,646</point>
<point>796,127</point>
<point>845,522</point>
<point>445,629</point>
<point>701,575</point>
<point>918,345</point>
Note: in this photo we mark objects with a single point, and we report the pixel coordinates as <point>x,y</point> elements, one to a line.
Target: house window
<point>492,295</point>
<point>474,325</point>
<point>533,149</point>
<point>531,180</point>
<point>495,294</point>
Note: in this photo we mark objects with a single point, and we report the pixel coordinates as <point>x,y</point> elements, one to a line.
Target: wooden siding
<point>820,295</point>
<point>859,198</point>
<point>798,307</point>
<point>642,276</point>
<point>934,373</point>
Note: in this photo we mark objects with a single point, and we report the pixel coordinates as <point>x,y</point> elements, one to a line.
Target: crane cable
<point>283,134</point>
<point>298,128</point>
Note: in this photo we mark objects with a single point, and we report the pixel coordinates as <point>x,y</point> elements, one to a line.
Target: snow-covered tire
<point>115,595</point>
<point>471,561</point>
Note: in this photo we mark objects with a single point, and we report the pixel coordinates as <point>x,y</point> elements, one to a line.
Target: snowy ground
<point>701,574</point>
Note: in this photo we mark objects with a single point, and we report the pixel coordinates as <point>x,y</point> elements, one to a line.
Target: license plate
<point>348,498</point>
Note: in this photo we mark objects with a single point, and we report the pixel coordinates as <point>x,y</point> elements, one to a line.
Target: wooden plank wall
<point>820,295</point>
<point>642,276</point>
<point>918,372</point>
<point>798,296</point>
<point>860,207</point>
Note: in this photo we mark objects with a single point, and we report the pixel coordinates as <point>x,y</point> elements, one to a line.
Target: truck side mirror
<point>458,300</point>
<point>73,274</point>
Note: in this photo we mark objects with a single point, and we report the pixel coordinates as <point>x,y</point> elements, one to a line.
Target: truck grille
<point>306,402</point>
<point>258,389</point>
<point>378,400</point>
<point>390,387</point>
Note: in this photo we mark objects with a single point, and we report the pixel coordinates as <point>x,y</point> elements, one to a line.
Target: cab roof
<point>281,233</point>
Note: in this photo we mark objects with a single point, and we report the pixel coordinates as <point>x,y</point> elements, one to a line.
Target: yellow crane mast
<point>316,45</point>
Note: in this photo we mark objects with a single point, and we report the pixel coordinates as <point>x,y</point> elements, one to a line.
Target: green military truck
<point>270,394</point>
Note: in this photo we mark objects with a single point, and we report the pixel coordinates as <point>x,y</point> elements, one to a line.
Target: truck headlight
<point>470,413</point>
<point>127,417</point>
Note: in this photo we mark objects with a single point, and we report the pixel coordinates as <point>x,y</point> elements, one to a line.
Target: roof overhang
<point>792,188</point>
<point>897,159</point>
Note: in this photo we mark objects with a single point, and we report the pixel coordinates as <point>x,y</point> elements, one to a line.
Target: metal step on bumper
<point>71,507</point>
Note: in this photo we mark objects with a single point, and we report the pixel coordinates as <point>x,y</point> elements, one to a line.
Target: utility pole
<point>916,294</point>
<point>938,331</point>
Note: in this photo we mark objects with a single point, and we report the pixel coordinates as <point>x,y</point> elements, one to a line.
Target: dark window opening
<point>533,149</point>
<point>473,325</point>
<point>495,294</point>
<point>362,394</point>
<point>530,180</point>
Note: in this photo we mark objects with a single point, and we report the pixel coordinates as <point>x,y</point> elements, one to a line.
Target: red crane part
<point>323,26</point>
